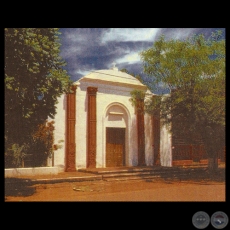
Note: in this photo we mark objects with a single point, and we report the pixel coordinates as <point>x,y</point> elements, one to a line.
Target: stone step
<point>121,174</point>
<point>141,177</point>
<point>173,173</point>
<point>129,178</point>
<point>141,171</point>
<point>128,170</point>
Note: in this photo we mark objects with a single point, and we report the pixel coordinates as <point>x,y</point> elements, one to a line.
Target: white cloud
<point>74,35</point>
<point>82,72</point>
<point>130,58</point>
<point>180,33</point>
<point>70,51</point>
<point>130,34</point>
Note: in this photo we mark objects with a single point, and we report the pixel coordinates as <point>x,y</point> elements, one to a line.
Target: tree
<point>194,72</point>
<point>34,78</point>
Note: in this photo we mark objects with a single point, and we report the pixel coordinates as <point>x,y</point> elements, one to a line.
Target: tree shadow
<point>19,187</point>
<point>195,175</point>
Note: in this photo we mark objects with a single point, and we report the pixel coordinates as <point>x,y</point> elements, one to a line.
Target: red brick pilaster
<point>92,122</point>
<point>140,132</point>
<point>70,131</point>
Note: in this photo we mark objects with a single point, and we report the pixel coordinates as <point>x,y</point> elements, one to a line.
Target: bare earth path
<point>130,190</point>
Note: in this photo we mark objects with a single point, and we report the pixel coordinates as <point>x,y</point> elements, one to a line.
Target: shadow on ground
<point>195,175</point>
<point>18,187</point>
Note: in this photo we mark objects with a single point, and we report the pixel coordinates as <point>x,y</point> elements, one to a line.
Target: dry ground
<point>128,190</point>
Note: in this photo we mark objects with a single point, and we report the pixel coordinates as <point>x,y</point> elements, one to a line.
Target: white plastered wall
<point>165,143</point>
<point>149,150</point>
<point>81,126</point>
<point>165,146</point>
<point>59,132</point>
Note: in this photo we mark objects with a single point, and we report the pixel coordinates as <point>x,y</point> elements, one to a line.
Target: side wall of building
<point>165,146</point>
<point>149,150</point>
<point>59,133</point>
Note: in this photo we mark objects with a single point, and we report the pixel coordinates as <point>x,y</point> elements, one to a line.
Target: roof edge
<point>140,86</point>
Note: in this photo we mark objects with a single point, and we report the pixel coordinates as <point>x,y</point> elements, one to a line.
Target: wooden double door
<point>115,147</point>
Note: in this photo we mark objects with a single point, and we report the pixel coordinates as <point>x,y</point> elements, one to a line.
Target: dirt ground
<point>127,190</point>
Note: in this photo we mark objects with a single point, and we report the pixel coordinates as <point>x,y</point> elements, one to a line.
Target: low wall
<point>191,162</point>
<point>17,172</point>
<point>182,162</point>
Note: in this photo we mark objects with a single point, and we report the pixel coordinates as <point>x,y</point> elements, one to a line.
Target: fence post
<point>191,152</point>
<point>200,153</point>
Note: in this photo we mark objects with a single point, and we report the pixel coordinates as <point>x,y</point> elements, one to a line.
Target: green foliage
<point>140,100</point>
<point>153,105</point>
<point>34,79</point>
<point>137,95</point>
<point>15,155</point>
<point>194,71</point>
<point>124,70</point>
<point>42,145</point>
<point>137,100</point>
<point>177,63</point>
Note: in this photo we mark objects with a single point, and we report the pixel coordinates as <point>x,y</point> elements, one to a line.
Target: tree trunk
<point>212,164</point>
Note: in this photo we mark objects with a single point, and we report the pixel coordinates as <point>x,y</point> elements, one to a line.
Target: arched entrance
<point>116,136</point>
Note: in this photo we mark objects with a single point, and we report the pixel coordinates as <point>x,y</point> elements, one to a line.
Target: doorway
<point>115,147</point>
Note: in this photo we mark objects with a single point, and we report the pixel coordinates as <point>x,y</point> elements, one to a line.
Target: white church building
<point>98,127</point>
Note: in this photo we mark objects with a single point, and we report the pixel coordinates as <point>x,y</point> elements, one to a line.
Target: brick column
<point>140,132</point>
<point>70,131</point>
<point>156,139</point>
<point>92,128</point>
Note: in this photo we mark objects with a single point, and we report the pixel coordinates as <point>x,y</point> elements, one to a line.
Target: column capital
<point>92,90</point>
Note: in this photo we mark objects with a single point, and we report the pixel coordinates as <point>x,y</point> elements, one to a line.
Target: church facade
<point>98,127</point>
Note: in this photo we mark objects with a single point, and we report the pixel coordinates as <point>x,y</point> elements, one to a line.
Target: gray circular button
<point>201,220</point>
<point>219,220</point>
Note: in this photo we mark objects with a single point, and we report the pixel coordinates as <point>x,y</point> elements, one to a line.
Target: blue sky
<point>89,49</point>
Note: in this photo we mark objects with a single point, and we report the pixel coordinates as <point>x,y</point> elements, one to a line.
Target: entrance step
<point>127,173</point>
<point>125,169</point>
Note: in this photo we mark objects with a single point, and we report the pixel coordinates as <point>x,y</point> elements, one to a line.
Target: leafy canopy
<point>194,72</point>
<point>34,79</point>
